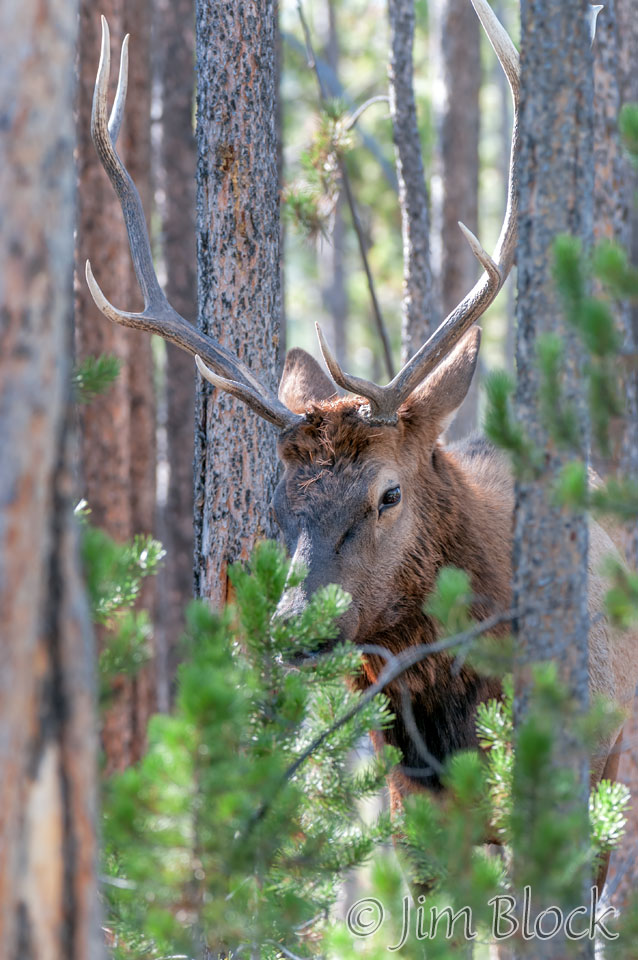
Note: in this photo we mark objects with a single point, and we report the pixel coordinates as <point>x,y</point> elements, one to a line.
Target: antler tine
<point>117,111</point>
<point>245,393</point>
<point>158,315</point>
<point>385,401</point>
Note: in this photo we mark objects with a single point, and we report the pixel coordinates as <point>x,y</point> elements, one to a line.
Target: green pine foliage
<point>94,376</point>
<point>309,202</point>
<point>220,836</point>
<point>114,573</point>
<point>501,426</point>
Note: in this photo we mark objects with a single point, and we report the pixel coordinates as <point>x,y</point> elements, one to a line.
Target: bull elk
<point>370,497</point>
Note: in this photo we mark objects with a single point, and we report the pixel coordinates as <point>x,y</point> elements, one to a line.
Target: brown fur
<point>456,508</point>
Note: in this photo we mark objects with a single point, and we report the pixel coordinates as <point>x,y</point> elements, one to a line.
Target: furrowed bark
<point>556,196</point>
<point>48,852</point>
<point>420,313</point>
<point>176,174</point>
<point>238,249</point>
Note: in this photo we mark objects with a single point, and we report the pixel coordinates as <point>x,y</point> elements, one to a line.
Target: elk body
<point>370,497</point>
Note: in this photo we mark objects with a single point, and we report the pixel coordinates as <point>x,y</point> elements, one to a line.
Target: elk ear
<point>441,394</point>
<point>303,381</point>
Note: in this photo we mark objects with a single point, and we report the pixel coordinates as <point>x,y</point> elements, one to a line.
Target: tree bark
<point>628,32</point>
<point>623,870</point>
<point>556,196</point>
<point>419,307</point>
<point>101,236</point>
<point>48,883</point>
<point>239,286</point>
<point>176,175</point>
<point>458,36</point>
<point>118,429</point>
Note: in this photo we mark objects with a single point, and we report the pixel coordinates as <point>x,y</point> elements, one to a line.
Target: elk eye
<point>390,498</point>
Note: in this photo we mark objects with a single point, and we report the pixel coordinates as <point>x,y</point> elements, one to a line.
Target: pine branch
<point>396,666</point>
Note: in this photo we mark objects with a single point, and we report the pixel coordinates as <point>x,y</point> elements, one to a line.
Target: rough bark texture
<point>458,34</point>
<point>610,195</point>
<point>623,872</point>
<point>48,883</point>
<point>556,191</point>
<point>118,429</point>
<point>176,176</point>
<point>420,313</point>
<point>239,276</point>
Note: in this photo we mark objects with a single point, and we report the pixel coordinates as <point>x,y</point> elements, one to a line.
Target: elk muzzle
<point>322,568</point>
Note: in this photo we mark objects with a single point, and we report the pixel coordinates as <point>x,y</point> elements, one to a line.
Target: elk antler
<point>158,316</point>
<point>386,400</point>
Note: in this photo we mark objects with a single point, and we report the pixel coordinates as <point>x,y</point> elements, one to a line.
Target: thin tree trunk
<point>550,545</point>
<point>239,249</point>
<point>420,311</point>
<point>623,870</point>
<point>331,253</point>
<point>48,884</point>
<point>611,214</point>
<point>101,236</point>
<point>176,174</point>
<point>628,32</point>
<point>458,34</point>
<point>118,429</point>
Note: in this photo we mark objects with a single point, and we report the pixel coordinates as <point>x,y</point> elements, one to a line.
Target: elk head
<point>359,491</point>
<point>361,503</point>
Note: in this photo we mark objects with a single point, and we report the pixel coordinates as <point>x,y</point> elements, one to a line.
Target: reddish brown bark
<point>118,429</point>
<point>48,884</point>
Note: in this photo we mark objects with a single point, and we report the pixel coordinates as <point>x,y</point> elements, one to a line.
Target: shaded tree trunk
<point>176,176</point>
<point>628,32</point>
<point>48,883</point>
<point>611,214</point>
<point>550,545</point>
<point>458,35</point>
<point>239,249</point>
<point>623,872</point>
<point>118,429</point>
<point>420,312</point>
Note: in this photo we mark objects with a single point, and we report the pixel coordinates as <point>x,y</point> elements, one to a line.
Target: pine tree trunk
<point>628,33</point>
<point>118,429</point>
<point>611,214</point>
<point>176,174</point>
<point>239,288</point>
<point>623,871</point>
<point>458,35</point>
<point>48,884</point>
<point>550,546</point>
<point>420,311</point>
